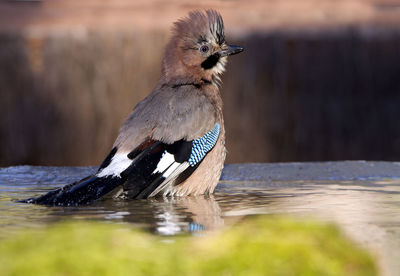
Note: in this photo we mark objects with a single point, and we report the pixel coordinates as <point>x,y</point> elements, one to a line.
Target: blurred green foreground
<point>257,246</point>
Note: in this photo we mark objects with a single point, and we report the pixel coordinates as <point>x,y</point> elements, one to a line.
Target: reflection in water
<point>203,213</point>
<point>368,211</point>
<point>167,216</point>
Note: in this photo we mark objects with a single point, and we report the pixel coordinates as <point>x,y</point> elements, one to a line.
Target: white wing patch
<point>119,163</point>
<point>165,162</point>
<point>169,169</point>
<point>166,187</point>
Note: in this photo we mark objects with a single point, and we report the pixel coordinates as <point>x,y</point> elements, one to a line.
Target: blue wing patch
<point>203,145</point>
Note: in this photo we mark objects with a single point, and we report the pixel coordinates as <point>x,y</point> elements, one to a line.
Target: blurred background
<point>319,79</point>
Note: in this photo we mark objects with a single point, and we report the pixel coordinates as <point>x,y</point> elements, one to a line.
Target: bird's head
<point>197,49</point>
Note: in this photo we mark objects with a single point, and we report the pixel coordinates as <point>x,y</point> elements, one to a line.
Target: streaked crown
<point>200,27</point>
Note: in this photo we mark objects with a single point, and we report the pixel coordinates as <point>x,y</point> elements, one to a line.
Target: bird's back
<point>169,114</point>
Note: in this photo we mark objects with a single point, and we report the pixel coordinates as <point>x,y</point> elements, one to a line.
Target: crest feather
<point>201,26</point>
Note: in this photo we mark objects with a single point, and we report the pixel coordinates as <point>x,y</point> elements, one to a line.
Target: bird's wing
<point>180,128</point>
<point>151,167</point>
<point>160,166</point>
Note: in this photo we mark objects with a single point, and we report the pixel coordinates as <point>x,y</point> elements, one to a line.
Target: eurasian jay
<point>173,143</point>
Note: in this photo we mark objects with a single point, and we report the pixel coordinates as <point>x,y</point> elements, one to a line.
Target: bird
<point>173,142</point>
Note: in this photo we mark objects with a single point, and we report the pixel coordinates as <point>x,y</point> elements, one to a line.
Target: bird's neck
<point>212,92</point>
<point>208,87</point>
<point>177,81</point>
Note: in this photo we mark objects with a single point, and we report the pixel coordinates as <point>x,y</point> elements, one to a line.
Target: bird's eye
<point>204,49</point>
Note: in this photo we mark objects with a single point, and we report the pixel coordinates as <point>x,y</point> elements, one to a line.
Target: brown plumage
<point>173,143</point>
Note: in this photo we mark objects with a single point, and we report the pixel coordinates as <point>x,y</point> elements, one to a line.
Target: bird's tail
<point>81,192</point>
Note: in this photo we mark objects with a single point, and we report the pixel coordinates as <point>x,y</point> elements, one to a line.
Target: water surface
<point>363,199</point>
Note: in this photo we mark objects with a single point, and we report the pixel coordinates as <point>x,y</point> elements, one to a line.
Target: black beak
<point>232,50</point>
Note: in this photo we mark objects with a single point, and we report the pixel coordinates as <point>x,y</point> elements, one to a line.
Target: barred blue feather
<point>203,145</point>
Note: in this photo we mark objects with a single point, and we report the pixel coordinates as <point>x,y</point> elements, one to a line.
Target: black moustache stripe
<point>210,62</point>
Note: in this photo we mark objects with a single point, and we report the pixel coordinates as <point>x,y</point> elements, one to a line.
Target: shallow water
<point>365,205</point>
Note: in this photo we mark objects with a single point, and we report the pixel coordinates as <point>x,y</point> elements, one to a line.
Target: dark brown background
<point>319,80</point>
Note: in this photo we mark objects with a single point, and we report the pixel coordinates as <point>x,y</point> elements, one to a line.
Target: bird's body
<point>173,143</point>
<point>185,104</point>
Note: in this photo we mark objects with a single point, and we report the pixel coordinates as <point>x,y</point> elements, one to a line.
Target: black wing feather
<point>139,180</point>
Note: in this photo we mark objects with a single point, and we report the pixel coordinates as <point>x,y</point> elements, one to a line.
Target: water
<point>362,197</point>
